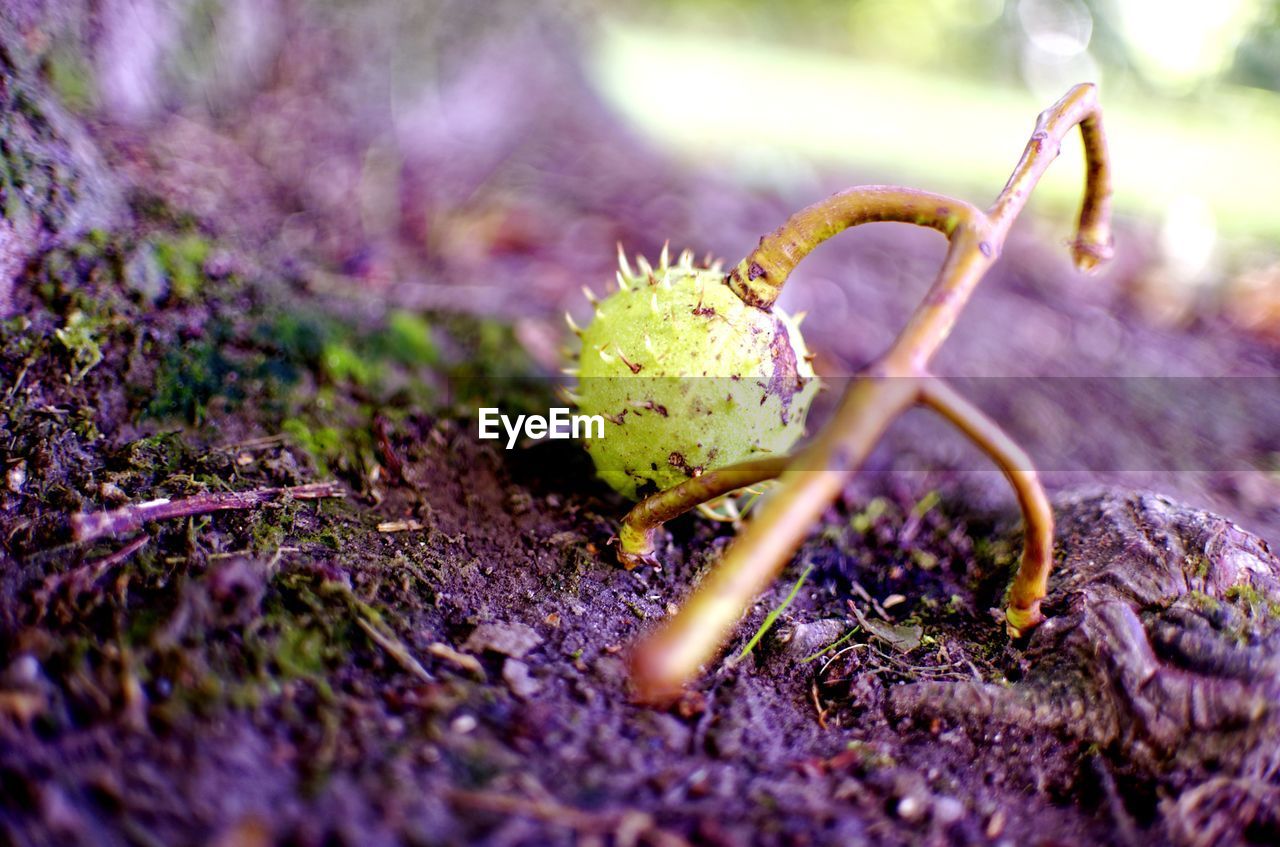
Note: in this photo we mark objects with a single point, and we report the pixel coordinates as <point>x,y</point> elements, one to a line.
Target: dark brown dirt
<point>439,657</point>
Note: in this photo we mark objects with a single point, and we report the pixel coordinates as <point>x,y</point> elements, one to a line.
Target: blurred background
<point>488,156</point>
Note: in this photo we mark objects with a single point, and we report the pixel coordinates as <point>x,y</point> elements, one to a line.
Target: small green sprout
<point>79,337</point>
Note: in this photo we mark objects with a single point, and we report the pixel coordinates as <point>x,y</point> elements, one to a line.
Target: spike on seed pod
<point>699,337</point>
<point>567,396</point>
<point>624,266</point>
<point>573,325</point>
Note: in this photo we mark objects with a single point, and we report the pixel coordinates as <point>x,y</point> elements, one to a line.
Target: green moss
<point>384,361</point>
<point>410,339</point>
<point>71,77</point>
<point>866,519</point>
<point>269,529</point>
<point>333,448</point>
<point>38,180</point>
<point>304,631</point>
<point>1244,593</point>
<point>270,361</point>
<point>157,455</point>
<point>301,653</point>
<point>923,559</point>
<point>926,504</point>
<point>189,378</point>
<point>80,337</point>
<point>195,644</point>
<point>322,444</point>
<point>342,363</point>
<point>869,758</point>
<point>1203,601</point>
<point>329,536</point>
<point>296,338</point>
<point>1244,596</point>
<point>182,258</point>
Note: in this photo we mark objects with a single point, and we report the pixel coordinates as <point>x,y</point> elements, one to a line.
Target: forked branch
<point>897,381</point>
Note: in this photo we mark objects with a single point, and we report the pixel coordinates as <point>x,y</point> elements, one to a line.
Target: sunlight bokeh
<point>943,93</point>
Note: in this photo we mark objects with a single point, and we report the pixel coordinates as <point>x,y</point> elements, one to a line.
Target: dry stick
<point>90,526</point>
<point>89,572</point>
<point>390,459</point>
<point>380,633</point>
<point>673,654</point>
<point>101,566</point>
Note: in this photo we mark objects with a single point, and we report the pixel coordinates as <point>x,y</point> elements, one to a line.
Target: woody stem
<point>758,279</point>
<point>636,537</point>
<point>1079,106</point>
<point>1031,583</point>
<point>672,654</point>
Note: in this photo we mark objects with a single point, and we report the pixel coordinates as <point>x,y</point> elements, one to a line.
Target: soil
<point>438,655</point>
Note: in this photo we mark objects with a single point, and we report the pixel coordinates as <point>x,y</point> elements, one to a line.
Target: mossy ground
<point>318,652</point>
<point>304,672</point>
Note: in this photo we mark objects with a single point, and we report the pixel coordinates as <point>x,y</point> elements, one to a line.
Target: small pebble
<point>17,477</point>
<point>995,824</point>
<point>947,810</point>
<point>910,809</point>
<point>522,684</point>
<point>516,640</point>
<point>24,670</point>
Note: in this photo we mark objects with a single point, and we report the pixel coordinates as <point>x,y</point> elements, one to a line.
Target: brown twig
<point>894,383</point>
<point>407,525</point>
<point>101,566</point>
<point>390,459</point>
<point>90,526</point>
<point>89,573</point>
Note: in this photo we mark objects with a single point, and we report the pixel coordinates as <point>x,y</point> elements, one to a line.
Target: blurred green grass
<point>753,105</point>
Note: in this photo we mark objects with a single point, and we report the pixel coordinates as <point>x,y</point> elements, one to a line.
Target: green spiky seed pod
<point>688,377</point>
